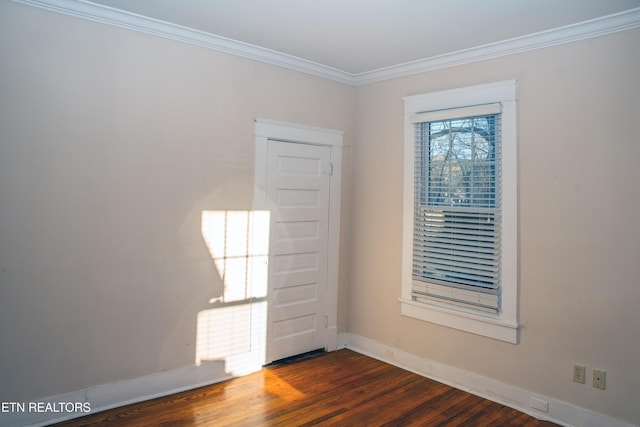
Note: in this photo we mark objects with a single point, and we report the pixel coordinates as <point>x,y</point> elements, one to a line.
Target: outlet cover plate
<point>579,373</point>
<point>599,378</point>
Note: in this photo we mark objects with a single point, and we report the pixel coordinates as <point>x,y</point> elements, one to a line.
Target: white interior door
<point>298,186</point>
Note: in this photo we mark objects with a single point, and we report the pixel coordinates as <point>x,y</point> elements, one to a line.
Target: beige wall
<point>112,142</point>
<point>579,142</point>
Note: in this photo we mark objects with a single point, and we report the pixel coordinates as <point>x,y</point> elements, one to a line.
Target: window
<point>460,210</point>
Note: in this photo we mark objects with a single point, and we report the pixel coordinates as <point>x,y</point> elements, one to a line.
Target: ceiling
<point>359,36</point>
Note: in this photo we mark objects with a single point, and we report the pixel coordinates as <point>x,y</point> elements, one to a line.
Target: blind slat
<point>461,264</point>
<point>455,253</point>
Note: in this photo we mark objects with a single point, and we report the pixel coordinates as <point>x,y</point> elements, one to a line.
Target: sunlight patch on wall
<point>236,334</point>
<point>234,328</point>
<point>224,331</point>
<point>238,242</point>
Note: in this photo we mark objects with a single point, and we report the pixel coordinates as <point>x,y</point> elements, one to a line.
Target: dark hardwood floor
<point>339,388</point>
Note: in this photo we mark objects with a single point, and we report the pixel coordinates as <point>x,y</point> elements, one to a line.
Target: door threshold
<point>297,357</point>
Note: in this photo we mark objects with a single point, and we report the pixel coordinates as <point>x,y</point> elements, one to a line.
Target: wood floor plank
<point>341,388</point>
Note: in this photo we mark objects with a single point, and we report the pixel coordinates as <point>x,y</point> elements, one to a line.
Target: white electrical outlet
<point>599,378</point>
<point>579,373</point>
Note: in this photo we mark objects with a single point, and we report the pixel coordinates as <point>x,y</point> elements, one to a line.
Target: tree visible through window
<point>461,162</point>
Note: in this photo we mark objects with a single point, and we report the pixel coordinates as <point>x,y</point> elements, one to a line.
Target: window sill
<point>485,326</point>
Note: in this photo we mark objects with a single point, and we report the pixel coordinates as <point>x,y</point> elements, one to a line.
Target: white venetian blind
<point>457,208</point>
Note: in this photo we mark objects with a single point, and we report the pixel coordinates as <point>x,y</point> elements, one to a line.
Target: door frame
<point>266,130</point>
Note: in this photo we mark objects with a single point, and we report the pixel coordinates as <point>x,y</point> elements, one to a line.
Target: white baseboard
<point>122,393</point>
<point>332,338</point>
<point>342,340</point>
<point>558,412</point>
<point>108,396</point>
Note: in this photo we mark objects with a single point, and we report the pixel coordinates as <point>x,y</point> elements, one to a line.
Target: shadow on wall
<point>234,327</point>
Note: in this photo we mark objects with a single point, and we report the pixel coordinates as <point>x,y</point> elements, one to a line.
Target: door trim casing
<point>266,130</point>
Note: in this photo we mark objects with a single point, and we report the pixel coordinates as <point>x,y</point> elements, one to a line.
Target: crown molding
<point>583,30</point>
<point>608,24</point>
<point>119,18</point>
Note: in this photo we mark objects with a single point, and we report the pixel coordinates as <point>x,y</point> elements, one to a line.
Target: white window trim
<point>504,327</point>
